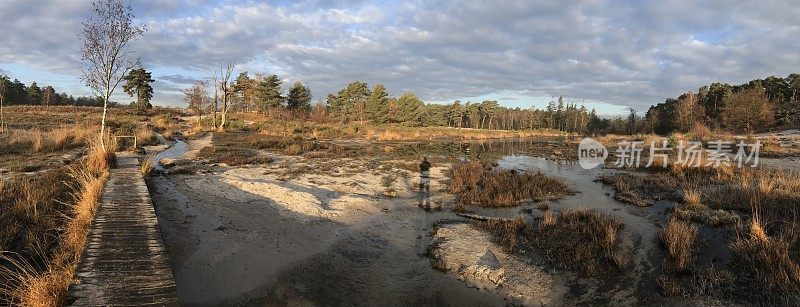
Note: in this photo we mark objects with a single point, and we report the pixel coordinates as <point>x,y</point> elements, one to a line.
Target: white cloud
<point>629,53</point>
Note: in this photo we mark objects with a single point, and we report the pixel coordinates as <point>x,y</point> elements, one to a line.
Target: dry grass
<point>477,185</point>
<point>691,196</point>
<point>775,147</point>
<point>679,239</point>
<point>101,160</point>
<point>145,136</point>
<point>316,130</point>
<point>232,156</point>
<point>768,271</point>
<point>581,240</point>
<point>700,132</point>
<point>47,228</point>
<point>146,167</point>
<point>710,195</point>
<point>639,190</point>
<point>36,141</point>
<point>507,231</point>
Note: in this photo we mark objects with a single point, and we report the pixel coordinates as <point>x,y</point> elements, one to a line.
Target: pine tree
<point>34,94</point>
<point>299,98</point>
<point>138,86</point>
<point>269,93</point>
<point>378,105</point>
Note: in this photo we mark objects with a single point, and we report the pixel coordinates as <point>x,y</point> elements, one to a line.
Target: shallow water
<point>173,152</point>
<point>641,225</point>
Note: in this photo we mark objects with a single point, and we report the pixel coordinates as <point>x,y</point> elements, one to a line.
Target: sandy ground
<point>348,232</point>
<point>270,235</point>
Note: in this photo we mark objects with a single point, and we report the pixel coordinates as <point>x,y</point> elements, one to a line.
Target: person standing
<point>425,175</point>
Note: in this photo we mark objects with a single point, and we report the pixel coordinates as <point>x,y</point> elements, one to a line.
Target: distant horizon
<point>611,57</point>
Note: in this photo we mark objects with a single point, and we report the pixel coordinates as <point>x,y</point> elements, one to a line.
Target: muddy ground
<point>343,231</point>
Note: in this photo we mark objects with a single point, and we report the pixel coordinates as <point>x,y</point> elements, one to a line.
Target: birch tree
<point>226,70</point>
<point>2,98</point>
<point>106,53</point>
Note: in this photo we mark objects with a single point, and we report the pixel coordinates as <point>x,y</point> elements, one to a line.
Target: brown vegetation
<point>768,264</point>
<point>48,213</point>
<point>475,184</point>
<point>507,231</point>
<point>710,195</point>
<point>49,226</point>
<point>679,239</point>
<point>580,240</point>
<point>232,156</point>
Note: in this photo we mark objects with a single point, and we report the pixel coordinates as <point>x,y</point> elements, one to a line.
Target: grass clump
<point>232,156</point>
<point>580,240</point>
<point>507,231</point>
<point>146,167</point>
<point>679,239</point>
<point>477,185</point>
<point>767,270</point>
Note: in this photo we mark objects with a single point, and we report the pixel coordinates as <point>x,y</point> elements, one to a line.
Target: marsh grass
<point>581,240</point>
<point>36,141</point>
<point>678,238</point>
<point>506,231</point>
<point>232,156</point>
<point>46,229</point>
<point>147,164</point>
<point>475,184</point>
<point>768,267</point>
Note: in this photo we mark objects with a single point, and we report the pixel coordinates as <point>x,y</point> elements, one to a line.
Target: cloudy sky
<point>607,54</point>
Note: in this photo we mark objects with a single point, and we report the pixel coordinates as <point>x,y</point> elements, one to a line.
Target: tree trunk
<point>224,107</point>
<point>103,121</point>
<point>216,105</point>
<point>2,120</point>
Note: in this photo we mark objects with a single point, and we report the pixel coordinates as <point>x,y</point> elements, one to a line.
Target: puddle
<point>173,152</point>
<point>640,232</point>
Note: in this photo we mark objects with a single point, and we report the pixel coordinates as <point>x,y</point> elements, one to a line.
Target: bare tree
<point>213,79</point>
<point>226,71</point>
<point>106,54</point>
<point>2,98</point>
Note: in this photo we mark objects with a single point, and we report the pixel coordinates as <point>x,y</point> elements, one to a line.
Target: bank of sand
<point>325,232</point>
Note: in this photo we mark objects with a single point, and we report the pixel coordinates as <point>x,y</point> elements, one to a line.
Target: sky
<point>609,55</point>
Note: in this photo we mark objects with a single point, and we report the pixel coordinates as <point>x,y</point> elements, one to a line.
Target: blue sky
<point>608,55</point>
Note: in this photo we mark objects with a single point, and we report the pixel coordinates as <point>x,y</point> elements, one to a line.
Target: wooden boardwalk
<point>124,262</point>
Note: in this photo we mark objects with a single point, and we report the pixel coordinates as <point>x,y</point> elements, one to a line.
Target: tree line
<point>754,106</point>
<point>17,93</point>
<point>357,102</point>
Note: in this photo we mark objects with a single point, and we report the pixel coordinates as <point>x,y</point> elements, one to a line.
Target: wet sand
<point>329,232</point>
<point>248,236</point>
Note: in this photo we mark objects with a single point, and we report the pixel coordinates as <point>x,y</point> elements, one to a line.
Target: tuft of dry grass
<point>100,160</point>
<point>477,185</point>
<point>691,197</point>
<point>146,167</point>
<point>29,286</point>
<point>581,240</point>
<point>679,239</point>
<point>767,270</point>
<point>549,219</point>
<point>507,231</point>
<point>145,136</point>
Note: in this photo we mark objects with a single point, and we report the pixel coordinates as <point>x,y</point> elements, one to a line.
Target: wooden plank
<point>124,262</point>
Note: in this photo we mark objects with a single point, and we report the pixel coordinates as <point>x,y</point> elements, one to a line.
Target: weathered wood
<point>124,262</point>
